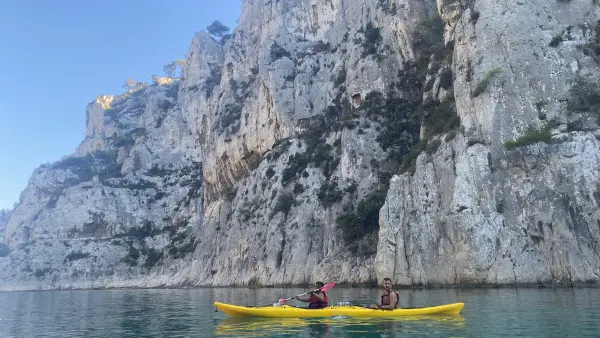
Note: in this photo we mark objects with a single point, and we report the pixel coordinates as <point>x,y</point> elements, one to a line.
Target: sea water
<point>506,312</point>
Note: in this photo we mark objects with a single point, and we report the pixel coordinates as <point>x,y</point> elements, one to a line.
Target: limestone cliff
<point>269,161</point>
<point>514,198</point>
<point>126,203</point>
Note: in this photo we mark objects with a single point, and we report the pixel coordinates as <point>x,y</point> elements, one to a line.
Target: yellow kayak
<point>287,311</point>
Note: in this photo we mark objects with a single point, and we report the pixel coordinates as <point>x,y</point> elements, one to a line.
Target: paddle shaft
<point>302,294</point>
<point>325,287</point>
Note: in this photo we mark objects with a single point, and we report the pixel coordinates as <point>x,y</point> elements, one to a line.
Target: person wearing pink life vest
<point>389,297</point>
<point>317,299</point>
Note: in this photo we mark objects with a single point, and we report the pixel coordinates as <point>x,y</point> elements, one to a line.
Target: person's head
<point>387,283</point>
<point>319,285</point>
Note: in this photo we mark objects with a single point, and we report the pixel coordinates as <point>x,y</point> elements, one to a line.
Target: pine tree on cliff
<point>218,31</point>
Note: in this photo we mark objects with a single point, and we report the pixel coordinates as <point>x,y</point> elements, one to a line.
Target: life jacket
<point>385,299</point>
<point>316,303</point>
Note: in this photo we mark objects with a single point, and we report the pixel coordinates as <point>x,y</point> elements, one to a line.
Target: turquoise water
<point>547,312</point>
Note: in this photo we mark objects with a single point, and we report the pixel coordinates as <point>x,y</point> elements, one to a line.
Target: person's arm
<point>319,295</point>
<point>305,298</point>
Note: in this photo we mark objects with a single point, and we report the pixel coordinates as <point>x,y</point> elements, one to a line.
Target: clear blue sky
<point>58,55</point>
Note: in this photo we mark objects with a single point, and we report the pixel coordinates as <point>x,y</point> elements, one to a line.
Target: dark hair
<point>387,279</point>
<point>320,284</point>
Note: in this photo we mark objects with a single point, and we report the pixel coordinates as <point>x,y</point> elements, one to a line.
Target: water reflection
<point>144,316</point>
<point>318,329</point>
<point>259,327</point>
<point>132,323</point>
<point>335,326</point>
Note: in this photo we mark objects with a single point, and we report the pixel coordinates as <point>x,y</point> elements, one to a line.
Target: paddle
<point>325,287</point>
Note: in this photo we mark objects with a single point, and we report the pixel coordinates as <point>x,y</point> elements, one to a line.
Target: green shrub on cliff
<point>372,39</point>
<point>284,203</point>
<point>218,31</point>
<point>483,84</point>
<point>584,97</point>
<point>531,136</point>
<point>355,224</point>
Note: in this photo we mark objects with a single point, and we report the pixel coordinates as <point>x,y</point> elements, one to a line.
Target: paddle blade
<point>282,301</point>
<point>327,286</point>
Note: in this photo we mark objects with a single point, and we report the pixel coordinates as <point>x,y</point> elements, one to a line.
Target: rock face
<point>530,216</point>
<point>480,212</point>
<point>269,161</point>
<point>127,202</point>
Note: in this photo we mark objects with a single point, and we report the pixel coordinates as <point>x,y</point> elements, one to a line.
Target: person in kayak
<point>389,297</point>
<point>317,299</point>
